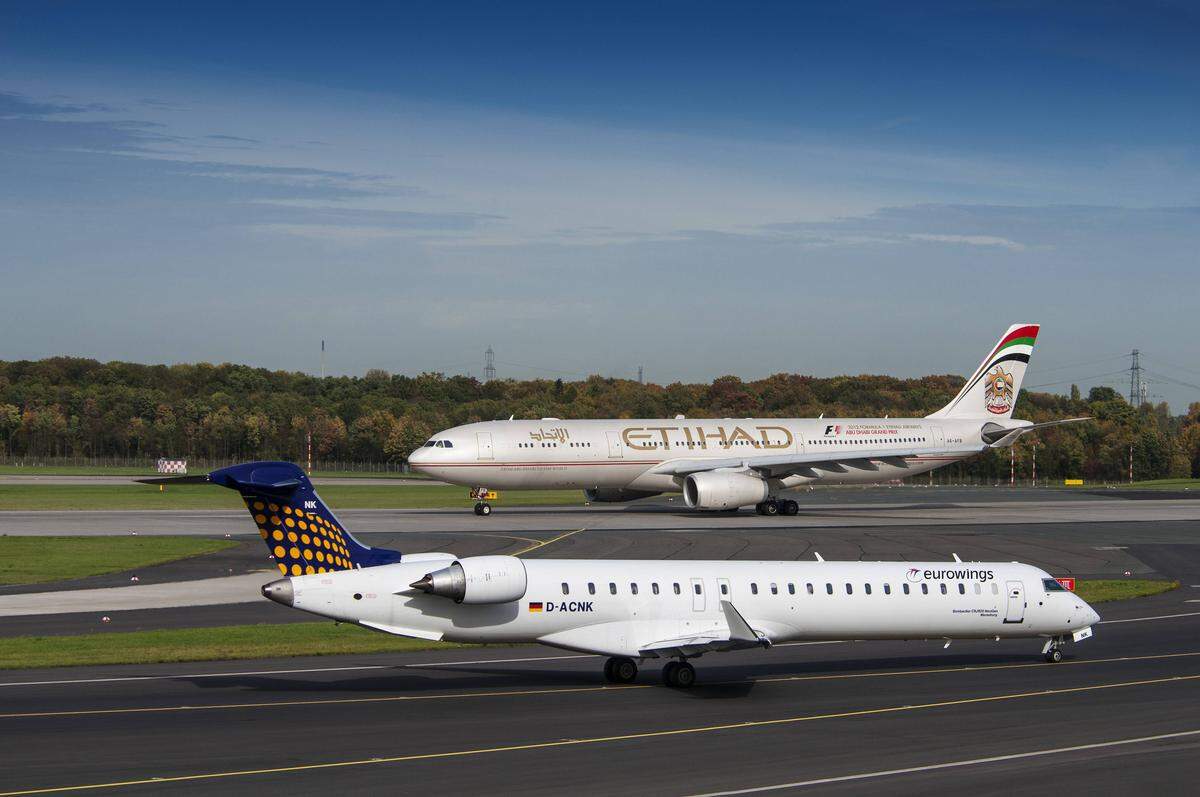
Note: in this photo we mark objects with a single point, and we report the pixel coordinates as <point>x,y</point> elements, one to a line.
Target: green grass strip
<point>30,560</point>
<point>1103,590</point>
<point>222,643</point>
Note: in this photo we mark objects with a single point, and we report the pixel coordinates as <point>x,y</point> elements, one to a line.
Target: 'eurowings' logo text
<point>915,574</point>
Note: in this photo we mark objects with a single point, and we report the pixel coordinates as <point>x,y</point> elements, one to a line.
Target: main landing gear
<point>620,670</point>
<point>679,674</point>
<point>775,506</point>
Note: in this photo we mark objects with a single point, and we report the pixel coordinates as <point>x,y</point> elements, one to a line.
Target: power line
<point>539,368</point>
<point>1079,379</point>
<point>1080,364</point>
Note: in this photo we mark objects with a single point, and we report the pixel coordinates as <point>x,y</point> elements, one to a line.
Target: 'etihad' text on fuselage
<point>644,438</point>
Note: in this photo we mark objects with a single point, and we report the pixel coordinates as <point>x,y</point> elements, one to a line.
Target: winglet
<point>739,629</point>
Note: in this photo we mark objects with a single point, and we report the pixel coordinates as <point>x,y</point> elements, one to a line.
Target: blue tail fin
<point>301,532</point>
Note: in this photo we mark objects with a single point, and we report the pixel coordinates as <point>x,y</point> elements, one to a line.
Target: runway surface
<point>838,718</point>
<point>540,721</point>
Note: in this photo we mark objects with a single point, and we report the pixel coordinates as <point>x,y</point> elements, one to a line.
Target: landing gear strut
<point>1053,650</point>
<point>773,506</point>
<point>620,670</point>
<point>482,494</point>
<point>679,674</point>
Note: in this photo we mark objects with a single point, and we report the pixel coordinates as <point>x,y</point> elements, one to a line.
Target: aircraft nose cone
<point>1093,616</point>
<point>280,591</point>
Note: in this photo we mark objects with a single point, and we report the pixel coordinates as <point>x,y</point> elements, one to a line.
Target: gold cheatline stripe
<point>606,739</point>
<point>577,689</point>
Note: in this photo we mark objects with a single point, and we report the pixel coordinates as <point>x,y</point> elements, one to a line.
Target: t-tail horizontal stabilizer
<point>300,530</point>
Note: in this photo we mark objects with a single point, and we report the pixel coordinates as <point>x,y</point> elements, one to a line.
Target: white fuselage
<point>625,453</point>
<point>618,608</point>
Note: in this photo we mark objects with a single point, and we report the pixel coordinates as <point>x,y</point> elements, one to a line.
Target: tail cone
<point>280,591</point>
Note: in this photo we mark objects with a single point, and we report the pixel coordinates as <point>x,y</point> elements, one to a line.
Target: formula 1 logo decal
<point>832,430</point>
<point>998,392</point>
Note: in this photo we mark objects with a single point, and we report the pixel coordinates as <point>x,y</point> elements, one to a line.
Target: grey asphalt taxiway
<point>841,717</point>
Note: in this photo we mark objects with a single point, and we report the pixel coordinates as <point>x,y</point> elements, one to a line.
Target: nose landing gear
<point>1053,651</point>
<point>482,496</point>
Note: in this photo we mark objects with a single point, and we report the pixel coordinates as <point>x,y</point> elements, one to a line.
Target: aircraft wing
<point>810,463</point>
<point>737,636</point>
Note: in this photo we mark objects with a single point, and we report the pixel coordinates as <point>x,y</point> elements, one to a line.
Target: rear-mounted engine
<point>478,579</point>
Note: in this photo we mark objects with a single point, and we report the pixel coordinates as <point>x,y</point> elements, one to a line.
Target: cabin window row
<point>791,588</point>
<point>553,445</point>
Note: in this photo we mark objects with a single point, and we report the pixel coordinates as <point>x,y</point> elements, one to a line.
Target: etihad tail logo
<point>998,391</point>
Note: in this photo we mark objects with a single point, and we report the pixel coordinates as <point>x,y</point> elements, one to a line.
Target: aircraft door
<point>939,437</point>
<point>697,594</point>
<point>615,449</point>
<point>1016,603</point>
<point>485,445</point>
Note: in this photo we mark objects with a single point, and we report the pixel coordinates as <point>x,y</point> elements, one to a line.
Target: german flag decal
<point>535,606</point>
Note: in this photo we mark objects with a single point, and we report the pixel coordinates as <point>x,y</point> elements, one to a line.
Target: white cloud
<point>970,240</point>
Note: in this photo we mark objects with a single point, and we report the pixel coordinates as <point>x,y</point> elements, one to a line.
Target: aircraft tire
<point>624,671</point>
<point>483,509</point>
<point>770,508</point>
<point>668,672</point>
<point>608,671</point>
<point>1054,655</point>
<point>790,507</point>
<point>684,676</point>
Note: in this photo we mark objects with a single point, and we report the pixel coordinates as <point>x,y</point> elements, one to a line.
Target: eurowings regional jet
<point>730,463</point>
<point>632,611</point>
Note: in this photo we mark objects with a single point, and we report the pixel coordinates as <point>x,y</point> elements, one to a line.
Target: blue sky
<point>702,188</point>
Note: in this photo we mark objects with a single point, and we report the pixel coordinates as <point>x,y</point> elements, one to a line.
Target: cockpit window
<point>430,442</point>
<point>447,444</point>
<point>1052,585</point>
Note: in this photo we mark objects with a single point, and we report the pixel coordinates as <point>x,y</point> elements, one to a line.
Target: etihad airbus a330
<point>633,611</point>
<point>730,463</point>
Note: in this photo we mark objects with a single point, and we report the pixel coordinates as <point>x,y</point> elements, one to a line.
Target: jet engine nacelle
<point>723,490</point>
<point>611,495</point>
<point>478,579</point>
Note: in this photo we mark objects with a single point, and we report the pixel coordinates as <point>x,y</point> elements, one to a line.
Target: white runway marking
<point>1143,619</point>
<point>953,764</point>
<point>177,676</point>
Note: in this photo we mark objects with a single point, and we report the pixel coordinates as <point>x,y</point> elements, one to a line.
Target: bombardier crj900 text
<point>632,611</point>
<point>731,463</point>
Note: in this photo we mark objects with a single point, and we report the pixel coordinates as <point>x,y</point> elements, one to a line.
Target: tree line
<point>66,406</point>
